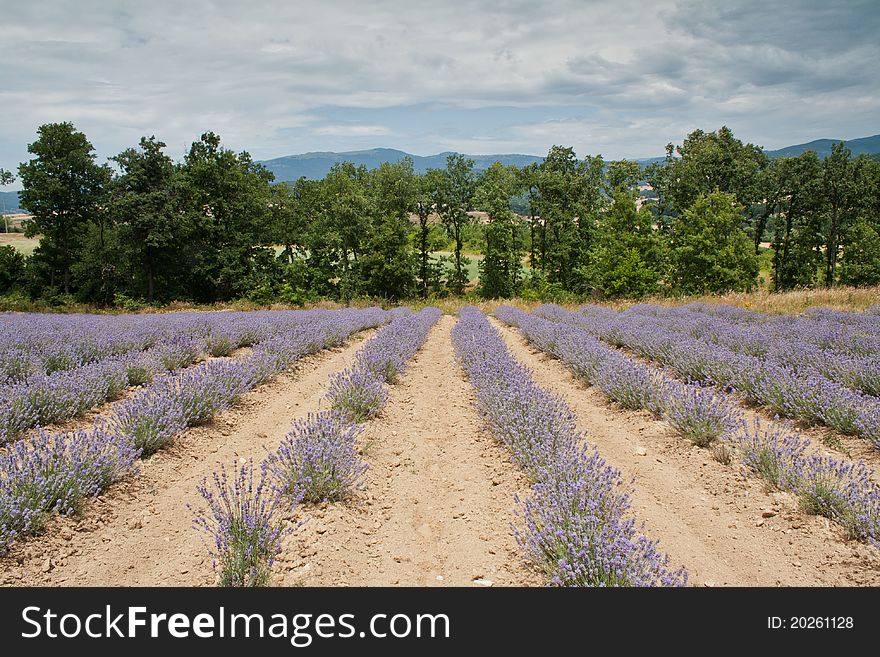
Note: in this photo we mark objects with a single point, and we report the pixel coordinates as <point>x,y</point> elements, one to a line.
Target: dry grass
<point>838,298</point>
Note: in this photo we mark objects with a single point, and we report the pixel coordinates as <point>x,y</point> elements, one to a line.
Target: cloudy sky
<point>275,77</point>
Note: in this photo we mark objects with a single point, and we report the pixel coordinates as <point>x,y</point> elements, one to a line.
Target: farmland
<point>657,445</point>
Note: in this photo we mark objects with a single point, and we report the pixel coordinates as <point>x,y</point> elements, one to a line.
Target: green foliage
<point>861,256</point>
<point>454,198</point>
<point>227,218</point>
<point>214,228</point>
<point>566,194</point>
<point>501,267</point>
<point>622,174</point>
<point>846,183</point>
<point>794,197</point>
<point>126,303</point>
<point>146,204</point>
<point>536,287</point>
<point>628,258</point>
<point>710,252</point>
<point>64,189</point>
<point>12,269</point>
<point>388,267</point>
<point>708,162</point>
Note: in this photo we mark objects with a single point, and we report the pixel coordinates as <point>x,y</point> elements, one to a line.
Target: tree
<point>455,197</point>
<point>861,255</point>
<point>64,189</point>
<point>6,178</point>
<point>145,202</point>
<point>629,258</point>
<point>844,188</point>
<point>427,197</point>
<point>12,268</point>
<point>709,251</point>
<point>708,162</point>
<point>622,174</point>
<point>794,200</point>
<point>530,182</point>
<point>348,211</point>
<point>501,268</point>
<point>229,219</point>
<point>860,260</point>
<point>387,268</point>
<point>570,200</point>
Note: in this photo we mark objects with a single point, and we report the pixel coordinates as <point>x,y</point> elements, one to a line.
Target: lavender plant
<point>149,421</point>
<point>576,525</point>
<point>357,394</point>
<point>631,385</point>
<point>179,351</point>
<point>218,344</point>
<point>56,472</point>
<point>824,376</point>
<point>700,415</point>
<point>318,460</point>
<point>244,535</point>
<point>576,520</point>
<point>140,371</point>
<point>838,489</point>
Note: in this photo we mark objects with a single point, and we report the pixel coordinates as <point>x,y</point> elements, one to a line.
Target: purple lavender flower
<point>244,536</point>
<point>56,472</point>
<point>576,521</point>
<point>357,394</point>
<point>149,420</point>
<point>699,414</point>
<point>318,460</point>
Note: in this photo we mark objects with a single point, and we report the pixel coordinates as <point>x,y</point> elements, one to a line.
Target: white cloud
<point>352,130</point>
<point>273,77</point>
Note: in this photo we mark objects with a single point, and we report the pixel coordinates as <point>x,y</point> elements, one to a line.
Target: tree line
<point>216,227</point>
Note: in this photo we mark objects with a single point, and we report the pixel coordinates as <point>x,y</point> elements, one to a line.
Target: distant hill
<point>866,145</point>
<point>316,165</point>
<point>9,203</point>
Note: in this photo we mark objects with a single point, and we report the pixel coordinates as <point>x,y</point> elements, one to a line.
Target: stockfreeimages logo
<point>299,629</point>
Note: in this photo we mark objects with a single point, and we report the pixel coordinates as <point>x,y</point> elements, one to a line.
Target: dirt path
<point>140,532</point>
<point>437,506</point>
<point>724,527</point>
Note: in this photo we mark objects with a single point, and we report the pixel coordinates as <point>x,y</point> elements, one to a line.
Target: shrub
<point>244,536</point>
<point>318,460</point>
<point>357,394</point>
<point>149,421</point>
<point>700,415</point>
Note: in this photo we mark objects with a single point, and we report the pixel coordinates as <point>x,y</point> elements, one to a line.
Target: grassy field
<point>25,245</point>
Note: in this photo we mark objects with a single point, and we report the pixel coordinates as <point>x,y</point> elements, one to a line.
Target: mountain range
<point>863,145</point>
<point>316,165</point>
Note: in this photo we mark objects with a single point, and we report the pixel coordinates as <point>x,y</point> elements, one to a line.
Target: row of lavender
<point>839,352</point>
<point>576,521</point>
<point>58,472</point>
<point>844,331</point>
<point>318,461</point>
<point>837,489</point>
<point>42,398</point>
<point>795,394</point>
<point>34,344</point>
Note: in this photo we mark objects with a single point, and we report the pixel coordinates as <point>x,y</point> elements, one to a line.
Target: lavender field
<point>695,445</point>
